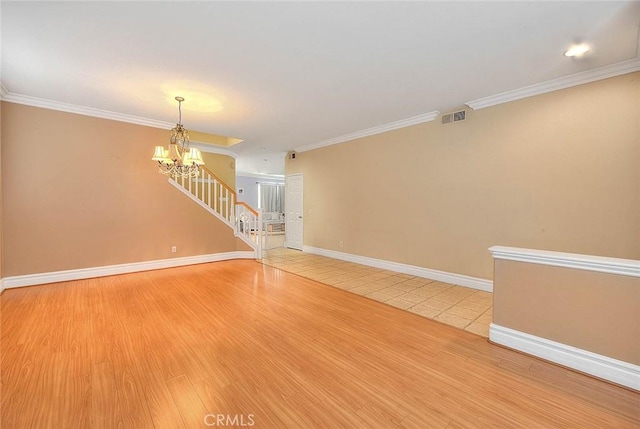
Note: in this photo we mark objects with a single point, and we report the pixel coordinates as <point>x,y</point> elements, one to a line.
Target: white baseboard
<point>442,276</point>
<point>110,270</point>
<point>616,371</point>
<point>1,285</point>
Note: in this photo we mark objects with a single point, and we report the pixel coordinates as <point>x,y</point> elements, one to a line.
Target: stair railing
<point>249,225</point>
<point>216,196</point>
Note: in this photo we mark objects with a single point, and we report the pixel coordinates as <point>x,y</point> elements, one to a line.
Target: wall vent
<point>450,118</point>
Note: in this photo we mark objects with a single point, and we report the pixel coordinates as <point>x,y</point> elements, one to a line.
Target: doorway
<point>271,198</point>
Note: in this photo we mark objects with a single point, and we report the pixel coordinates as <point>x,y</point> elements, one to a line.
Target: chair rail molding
<point>623,267</point>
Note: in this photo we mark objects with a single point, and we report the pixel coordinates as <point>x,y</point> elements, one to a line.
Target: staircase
<point>220,200</point>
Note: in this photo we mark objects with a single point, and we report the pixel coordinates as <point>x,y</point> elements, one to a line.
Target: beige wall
<point>593,311</point>
<point>83,192</point>
<point>222,166</point>
<point>557,171</point>
<point>1,258</point>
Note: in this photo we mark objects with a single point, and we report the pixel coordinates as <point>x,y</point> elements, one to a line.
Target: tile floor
<point>464,308</point>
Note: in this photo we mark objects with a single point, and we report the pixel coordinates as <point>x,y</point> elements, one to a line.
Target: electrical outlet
<point>341,244</point>
<point>174,249</point>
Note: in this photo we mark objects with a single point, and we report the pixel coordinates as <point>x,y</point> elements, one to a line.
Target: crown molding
<point>208,148</point>
<point>81,110</point>
<point>616,69</point>
<point>581,78</point>
<point>414,120</point>
<point>104,114</point>
<point>272,177</point>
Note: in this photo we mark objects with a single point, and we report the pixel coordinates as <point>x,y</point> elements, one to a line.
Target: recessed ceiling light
<point>577,50</point>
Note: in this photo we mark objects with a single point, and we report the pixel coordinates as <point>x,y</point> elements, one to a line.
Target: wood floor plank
<point>160,402</point>
<point>105,408</point>
<point>237,338</point>
<point>235,400</point>
<point>131,398</point>
<point>187,401</point>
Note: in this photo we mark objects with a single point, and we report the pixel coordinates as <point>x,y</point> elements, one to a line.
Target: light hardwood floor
<point>166,348</point>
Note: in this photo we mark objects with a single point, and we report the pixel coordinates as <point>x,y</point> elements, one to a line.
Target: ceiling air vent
<point>450,118</point>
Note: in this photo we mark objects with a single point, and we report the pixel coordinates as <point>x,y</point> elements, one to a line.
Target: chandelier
<point>179,160</point>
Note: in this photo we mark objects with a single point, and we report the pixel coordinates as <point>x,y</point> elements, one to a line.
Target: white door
<point>293,209</point>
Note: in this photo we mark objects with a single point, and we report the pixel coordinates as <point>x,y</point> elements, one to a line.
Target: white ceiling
<point>290,74</point>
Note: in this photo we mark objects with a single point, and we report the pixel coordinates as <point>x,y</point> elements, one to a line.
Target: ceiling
<point>281,75</point>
